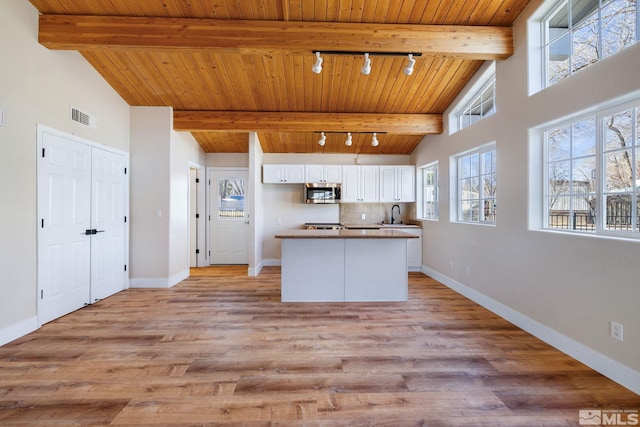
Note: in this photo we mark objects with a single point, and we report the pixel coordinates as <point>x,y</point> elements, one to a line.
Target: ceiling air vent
<point>83,118</point>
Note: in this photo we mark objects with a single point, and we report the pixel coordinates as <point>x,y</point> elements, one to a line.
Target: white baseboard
<point>160,282</point>
<point>254,271</point>
<point>18,330</point>
<point>274,262</point>
<point>608,367</point>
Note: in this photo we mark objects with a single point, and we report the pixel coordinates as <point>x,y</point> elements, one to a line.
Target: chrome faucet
<point>392,208</point>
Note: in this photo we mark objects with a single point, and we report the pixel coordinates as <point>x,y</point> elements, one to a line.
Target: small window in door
<point>231,198</point>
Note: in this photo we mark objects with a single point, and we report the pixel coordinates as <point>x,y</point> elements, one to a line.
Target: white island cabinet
<point>344,265</point>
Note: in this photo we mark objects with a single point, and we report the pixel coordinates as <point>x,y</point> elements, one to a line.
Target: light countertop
<point>380,226</point>
<point>345,234</point>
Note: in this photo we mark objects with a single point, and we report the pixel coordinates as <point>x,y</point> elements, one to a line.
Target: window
<point>231,198</point>
<point>593,174</point>
<point>481,105</point>
<point>579,33</point>
<point>430,184</point>
<point>476,185</point>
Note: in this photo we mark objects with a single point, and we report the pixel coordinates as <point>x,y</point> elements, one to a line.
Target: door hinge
<point>197,251</point>
<point>42,223</point>
<point>197,215</point>
<point>125,267</point>
<point>197,180</point>
<point>43,152</point>
<point>125,171</point>
<point>209,253</point>
<point>41,293</point>
<point>125,218</point>
<point>209,217</point>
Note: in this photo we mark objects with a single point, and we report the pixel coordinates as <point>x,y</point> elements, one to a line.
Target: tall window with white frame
<point>593,174</point>
<point>579,33</point>
<point>430,184</point>
<point>571,173</point>
<point>621,170</point>
<point>476,185</point>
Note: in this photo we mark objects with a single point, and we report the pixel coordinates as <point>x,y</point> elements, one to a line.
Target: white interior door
<point>64,212</point>
<point>229,220</point>
<point>108,212</point>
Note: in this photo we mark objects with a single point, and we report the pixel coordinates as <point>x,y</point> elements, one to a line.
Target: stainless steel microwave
<point>322,192</point>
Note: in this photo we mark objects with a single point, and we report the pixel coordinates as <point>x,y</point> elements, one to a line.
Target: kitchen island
<point>344,265</point>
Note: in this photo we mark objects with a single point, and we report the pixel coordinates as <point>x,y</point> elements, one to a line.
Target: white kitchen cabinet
<point>283,174</point>
<point>397,184</point>
<point>360,184</point>
<point>323,173</point>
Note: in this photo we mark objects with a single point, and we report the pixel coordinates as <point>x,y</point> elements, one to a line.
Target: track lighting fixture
<point>366,66</point>
<point>408,70</point>
<point>349,141</point>
<point>323,139</point>
<point>317,67</point>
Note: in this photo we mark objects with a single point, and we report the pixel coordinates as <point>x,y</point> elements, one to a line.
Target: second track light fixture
<point>349,140</point>
<point>366,65</point>
<point>408,70</point>
<point>317,67</point>
<point>323,139</point>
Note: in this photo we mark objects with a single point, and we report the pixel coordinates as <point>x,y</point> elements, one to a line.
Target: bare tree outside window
<point>581,32</point>
<point>595,186</point>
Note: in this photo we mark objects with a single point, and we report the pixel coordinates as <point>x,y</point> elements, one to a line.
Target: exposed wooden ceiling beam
<point>73,32</point>
<point>245,121</point>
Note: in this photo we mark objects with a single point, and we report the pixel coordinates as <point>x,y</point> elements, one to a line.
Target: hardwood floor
<point>221,349</point>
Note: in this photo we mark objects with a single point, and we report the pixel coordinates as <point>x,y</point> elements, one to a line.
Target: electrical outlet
<point>450,265</point>
<point>467,270</point>
<point>617,331</point>
<point>364,216</point>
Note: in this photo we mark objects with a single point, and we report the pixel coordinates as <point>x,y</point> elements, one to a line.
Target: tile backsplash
<point>375,213</point>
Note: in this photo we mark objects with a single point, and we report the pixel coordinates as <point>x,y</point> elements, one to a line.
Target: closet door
<point>64,216</point>
<point>82,203</point>
<point>108,210</point>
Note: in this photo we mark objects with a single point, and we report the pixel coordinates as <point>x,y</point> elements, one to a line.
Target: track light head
<point>323,139</point>
<point>317,67</point>
<point>408,70</point>
<point>366,66</point>
<point>349,140</point>
<point>374,140</point>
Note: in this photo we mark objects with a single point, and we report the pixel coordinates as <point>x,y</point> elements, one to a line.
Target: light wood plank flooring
<point>221,349</point>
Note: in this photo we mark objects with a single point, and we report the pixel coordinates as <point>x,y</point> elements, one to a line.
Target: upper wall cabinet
<point>397,184</point>
<point>360,184</point>
<point>323,173</point>
<point>283,174</point>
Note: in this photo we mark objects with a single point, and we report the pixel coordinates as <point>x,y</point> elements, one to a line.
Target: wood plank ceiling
<point>228,67</point>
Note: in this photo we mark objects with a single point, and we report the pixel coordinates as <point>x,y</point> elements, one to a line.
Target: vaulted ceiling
<point>229,67</point>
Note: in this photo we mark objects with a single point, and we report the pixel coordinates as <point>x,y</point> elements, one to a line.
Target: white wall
<point>229,160</point>
<point>256,205</point>
<point>573,285</point>
<point>38,86</point>
<point>150,196</point>
<point>184,152</point>
<point>160,167</point>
